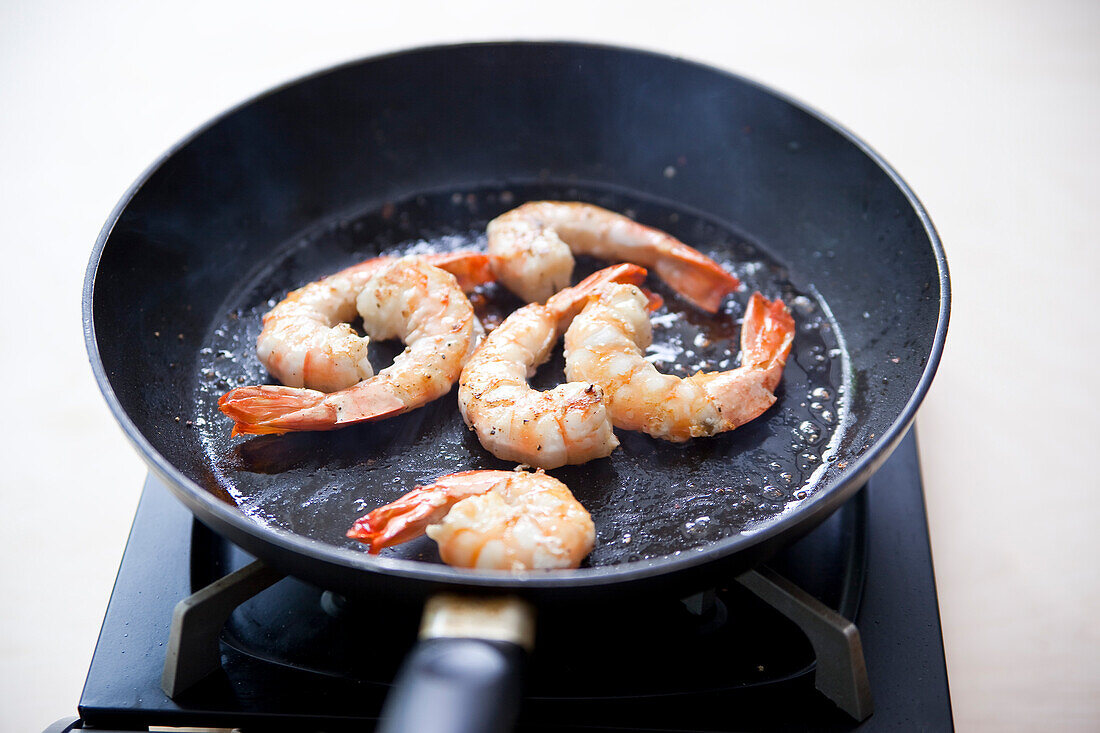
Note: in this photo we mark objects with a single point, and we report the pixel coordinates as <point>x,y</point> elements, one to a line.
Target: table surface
<point>988,110</point>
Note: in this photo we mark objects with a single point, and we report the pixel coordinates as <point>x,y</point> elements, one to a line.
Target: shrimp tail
<point>653,300</point>
<point>471,269</point>
<point>567,303</point>
<point>408,517</point>
<point>696,277</point>
<point>743,394</point>
<point>273,409</point>
<point>766,337</point>
<point>396,522</point>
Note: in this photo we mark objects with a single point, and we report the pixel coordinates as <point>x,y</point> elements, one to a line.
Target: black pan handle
<point>465,673</point>
<point>456,686</point>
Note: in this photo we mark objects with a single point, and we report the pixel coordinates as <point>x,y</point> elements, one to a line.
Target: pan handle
<point>464,674</point>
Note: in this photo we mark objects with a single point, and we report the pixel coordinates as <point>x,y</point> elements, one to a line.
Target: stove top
<point>301,658</point>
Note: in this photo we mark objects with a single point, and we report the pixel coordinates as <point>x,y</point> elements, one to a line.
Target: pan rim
<point>226,517</point>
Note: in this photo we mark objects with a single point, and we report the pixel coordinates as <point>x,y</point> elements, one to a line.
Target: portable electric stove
<point>765,652</point>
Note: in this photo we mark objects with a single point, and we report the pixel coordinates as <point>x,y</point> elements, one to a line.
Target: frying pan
<point>416,151</point>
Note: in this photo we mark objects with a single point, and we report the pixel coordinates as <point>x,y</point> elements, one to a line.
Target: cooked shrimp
<point>567,424</point>
<point>406,298</point>
<point>605,345</point>
<point>533,246</point>
<point>307,341</point>
<point>494,520</point>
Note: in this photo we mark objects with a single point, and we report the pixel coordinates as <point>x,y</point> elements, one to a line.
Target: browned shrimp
<point>307,340</point>
<point>496,520</point>
<point>533,246</point>
<point>605,345</point>
<point>406,298</point>
<point>567,424</point>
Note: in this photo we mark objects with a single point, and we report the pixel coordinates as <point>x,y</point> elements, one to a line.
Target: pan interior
<point>650,498</point>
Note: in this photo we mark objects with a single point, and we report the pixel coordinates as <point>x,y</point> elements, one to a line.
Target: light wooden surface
<point>989,110</point>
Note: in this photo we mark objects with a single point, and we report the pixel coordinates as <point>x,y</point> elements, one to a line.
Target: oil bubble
<point>696,529</point>
<point>772,493</point>
<point>803,305</point>
<point>811,432</point>
<point>807,461</point>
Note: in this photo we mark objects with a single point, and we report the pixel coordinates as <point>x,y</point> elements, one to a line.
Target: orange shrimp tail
<point>653,300</point>
<point>408,517</point>
<point>569,302</point>
<point>696,277</point>
<point>392,524</point>
<point>271,409</point>
<point>469,268</point>
<point>766,336</point>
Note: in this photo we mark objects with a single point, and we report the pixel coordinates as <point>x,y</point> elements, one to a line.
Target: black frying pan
<point>416,151</point>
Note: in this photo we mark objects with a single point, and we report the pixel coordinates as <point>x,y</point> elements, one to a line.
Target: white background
<point>989,110</point>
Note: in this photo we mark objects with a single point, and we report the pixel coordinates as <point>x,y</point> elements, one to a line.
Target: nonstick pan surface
<point>416,152</point>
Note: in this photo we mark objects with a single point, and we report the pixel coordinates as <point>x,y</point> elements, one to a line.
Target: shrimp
<point>605,345</point>
<point>406,298</point>
<point>568,424</point>
<point>493,520</point>
<point>533,246</point>
<point>306,340</point>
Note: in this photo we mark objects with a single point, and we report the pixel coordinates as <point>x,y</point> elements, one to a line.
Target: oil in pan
<point>649,498</point>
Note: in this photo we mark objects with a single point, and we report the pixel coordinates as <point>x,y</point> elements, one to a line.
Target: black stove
<point>753,654</point>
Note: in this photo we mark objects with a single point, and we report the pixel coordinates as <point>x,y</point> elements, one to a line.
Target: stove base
<point>898,617</point>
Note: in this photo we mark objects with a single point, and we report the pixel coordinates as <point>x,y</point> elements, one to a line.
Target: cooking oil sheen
<point>649,498</point>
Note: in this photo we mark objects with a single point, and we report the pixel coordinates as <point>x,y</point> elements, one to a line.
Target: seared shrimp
<point>605,345</point>
<point>533,246</point>
<point>307,341</point>
<point>406,298</point>
<point>568,424</point>
<point>494,520</point>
